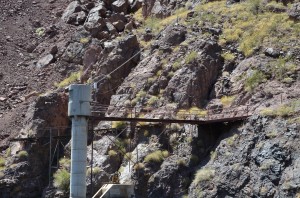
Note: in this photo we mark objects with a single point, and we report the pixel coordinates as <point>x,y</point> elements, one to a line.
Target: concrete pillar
<point>79,110</point>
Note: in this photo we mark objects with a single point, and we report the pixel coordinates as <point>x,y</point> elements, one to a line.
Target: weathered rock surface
<point>294,12</point>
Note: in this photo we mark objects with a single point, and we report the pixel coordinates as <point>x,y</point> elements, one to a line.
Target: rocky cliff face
<point>185,56</point>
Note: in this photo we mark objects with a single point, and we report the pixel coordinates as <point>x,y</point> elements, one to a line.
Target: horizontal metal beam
<point>182,121</point>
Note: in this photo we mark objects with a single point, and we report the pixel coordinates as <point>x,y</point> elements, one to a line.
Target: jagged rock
<point>2,99</point>
<point>158,9</point>
<point>120,6</point>
<point>294,12</point>
<point>53,50</point>
<point>229,2</point>
<point>135,5</point>
<point>81,17</point>
<point>46,60</point>
<point>72,8</point>
<point>95,23</point>
<point>112,30</point>
<point>119,25</point>
<point>117,17</point>
<point>73,53</point>
<point>190,80</point>
<point>173,35</point>
<point>272,52</point>
<point>129,26</point>
<point>91,55</point>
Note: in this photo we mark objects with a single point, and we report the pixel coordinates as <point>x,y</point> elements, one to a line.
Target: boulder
<point>81,17</point>
<point>135,5</point>
<point>294,12</point>
<point>272,52</point>
<point>46,60</point>
<point>112,30</point>
<point>119,25</point>
<point>120,6</point>
<point>71,9</point>
<point>117,17</point>
<point>173,35</point>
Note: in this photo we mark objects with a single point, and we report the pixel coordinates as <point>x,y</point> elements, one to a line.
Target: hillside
<point>165,59</point>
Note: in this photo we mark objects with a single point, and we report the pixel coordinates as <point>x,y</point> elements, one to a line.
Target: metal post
<point>92,158</point>
<point>79,110</point>
<point>50,157</point>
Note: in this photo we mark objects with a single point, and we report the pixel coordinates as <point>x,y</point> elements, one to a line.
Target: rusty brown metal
<point>100,113</point>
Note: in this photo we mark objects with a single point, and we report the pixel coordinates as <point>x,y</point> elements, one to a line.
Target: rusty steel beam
<point>182,121</point>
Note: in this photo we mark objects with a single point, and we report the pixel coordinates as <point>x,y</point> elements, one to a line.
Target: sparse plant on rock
<point>112,153</point>
<point>227,100</point>
<point>62,179</point>
<point>155,157</point>
<point>204,174</point>
<point>255,78</point>
<point>23,155</point>
<point>191,57</point>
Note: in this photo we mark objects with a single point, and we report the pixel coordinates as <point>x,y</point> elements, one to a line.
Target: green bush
<point>62,179</point>
<point>228,56</point>
<point>283,110</point>
<point>65,163</point>
<point>256,78</point>
<point>204,174</point>
<point>96,171</point>
<point>227,100</point>
<point>139,166</point>
<point>156,156</point>
<point>112,153</point>
<point>153,101</point>
<point>2,162</point>
<point>255,6</point>
<point>191,57</point>
<point>23,154</point>
<point>72,78</point>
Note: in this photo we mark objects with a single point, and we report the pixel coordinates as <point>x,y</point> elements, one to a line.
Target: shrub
<point>256,78</point>
<point>153,101</point>
<point>281,68</point>
<point>23,154</point>
<point>84,40</point>
<point>112,153</point>
<point>255,6</point>
<point>204,174</point>
<point>65,163</point>
<point>282,110</point>
<point>62,179</point>
<point>198,112</point>
<point>139,166</point>
<point>191,57</point>
<point>228,56</point>
<point>2,162</point>
<point>40,31</point>
<point>8,152</point>
<point>227,100</point>
<point>213,155</point>
<point>165,154</point>
<point>177,64</point>
<point>96,171</point>
<point>141,94</point>
<point>72,78</point>
<point>118,125</point>
<point>230,140</point>
<point>156,157</point>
